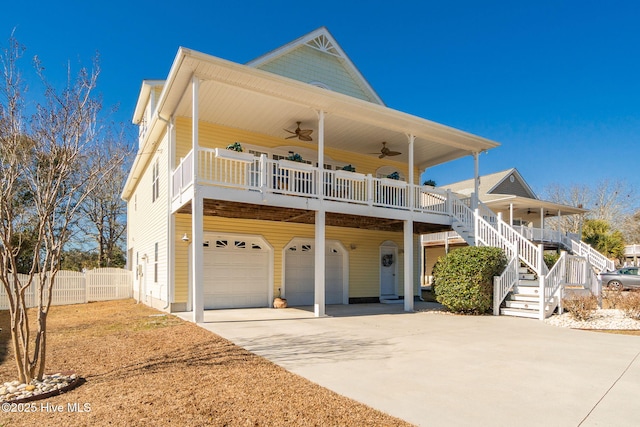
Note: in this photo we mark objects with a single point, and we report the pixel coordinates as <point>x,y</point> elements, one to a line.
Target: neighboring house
<point>632,255</point>
<point>214,228</point>
<point>507,194</point>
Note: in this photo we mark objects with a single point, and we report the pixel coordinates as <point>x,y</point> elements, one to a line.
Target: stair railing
<point>529,253</point>
<point>487,214</point>
<point>551,296</point>
<point>461,212</point>
<point>598,260</point>
<point>503,284</point>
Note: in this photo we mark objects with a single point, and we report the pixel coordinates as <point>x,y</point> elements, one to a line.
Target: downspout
<point>171,236</point>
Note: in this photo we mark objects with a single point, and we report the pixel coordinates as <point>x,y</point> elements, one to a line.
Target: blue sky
<point>557,83</point>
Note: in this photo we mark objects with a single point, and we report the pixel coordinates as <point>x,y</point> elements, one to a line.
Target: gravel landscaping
<point>145,368</point>
<point>603,319</point>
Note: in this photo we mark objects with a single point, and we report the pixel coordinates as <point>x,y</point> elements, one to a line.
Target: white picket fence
<point>72,287</point>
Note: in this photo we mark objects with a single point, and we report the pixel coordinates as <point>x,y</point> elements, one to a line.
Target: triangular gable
<point>496,183</point>
<point>317,59</point>
<point>513,184</point>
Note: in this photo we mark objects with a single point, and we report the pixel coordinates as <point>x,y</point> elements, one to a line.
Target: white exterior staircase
<point>524,298</point>
<point>527,287</point>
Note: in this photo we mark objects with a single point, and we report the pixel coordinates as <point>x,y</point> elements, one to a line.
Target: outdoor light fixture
<point>185,238</point>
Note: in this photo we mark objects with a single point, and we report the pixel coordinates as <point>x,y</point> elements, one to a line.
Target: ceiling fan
<point>301,134</point>
<point>384,151</point>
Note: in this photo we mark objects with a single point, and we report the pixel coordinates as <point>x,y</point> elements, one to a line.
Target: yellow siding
<point>147,225</point>
<point>364,260</point>
<point>214,136</point>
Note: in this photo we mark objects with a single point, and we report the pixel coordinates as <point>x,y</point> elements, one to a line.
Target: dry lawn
<point>144,368</point>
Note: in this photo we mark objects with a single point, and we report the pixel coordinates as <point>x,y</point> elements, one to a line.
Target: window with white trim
<point>155,264</point>
<point>155,178</point>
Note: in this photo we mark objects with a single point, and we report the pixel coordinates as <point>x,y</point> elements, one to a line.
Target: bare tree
<point>47,170</point>
<point>104,212</point>
<point>631,228</point>
<point>611,201</point>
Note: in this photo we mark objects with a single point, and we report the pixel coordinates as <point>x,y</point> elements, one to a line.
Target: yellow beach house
<point>286,176</point>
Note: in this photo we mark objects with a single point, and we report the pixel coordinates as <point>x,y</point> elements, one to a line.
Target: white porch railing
<point>285,177</point>
<point>183,175</point>
<point>547,235</point>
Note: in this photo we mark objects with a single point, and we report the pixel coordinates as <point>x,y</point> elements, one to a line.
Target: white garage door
<point>236,272</point>
<point>299,273</point>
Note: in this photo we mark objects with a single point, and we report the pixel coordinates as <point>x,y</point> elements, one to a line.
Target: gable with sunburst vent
<point>317,59</point>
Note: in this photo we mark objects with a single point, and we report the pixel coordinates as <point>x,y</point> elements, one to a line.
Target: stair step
<point>523,269</point>
<point>518,312</point>
<point>528,305</point>
<point>521,297</point>
<point>527,276</point>
<point>528,282</point>
<point>525,290</point>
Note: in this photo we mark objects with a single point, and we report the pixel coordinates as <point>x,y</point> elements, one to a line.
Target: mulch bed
<point>144,368</point>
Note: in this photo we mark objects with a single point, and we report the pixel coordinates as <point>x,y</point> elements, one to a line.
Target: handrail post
<point>541,279</point>
<point>496,296</point>
<point>476,225</point>
<point>263,174</point>
<point>369,189</point>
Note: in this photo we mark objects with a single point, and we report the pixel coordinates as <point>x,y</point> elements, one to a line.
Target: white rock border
<point>50,385</point>
<point>603,319</point>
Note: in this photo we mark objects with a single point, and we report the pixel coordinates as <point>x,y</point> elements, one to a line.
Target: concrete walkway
<point>443,370</point>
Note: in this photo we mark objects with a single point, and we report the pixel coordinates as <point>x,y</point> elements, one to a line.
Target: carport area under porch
<point>321,264</point>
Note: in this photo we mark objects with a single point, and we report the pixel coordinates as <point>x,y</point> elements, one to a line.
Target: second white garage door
<point>299,273</point>
<point>236,271</point>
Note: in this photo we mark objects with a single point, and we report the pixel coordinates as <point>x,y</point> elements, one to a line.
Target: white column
<point>511,214</point>
<point>410,176</point>
<point>319,247</point>
<point>476,180</point>
<point>197,257</point>
<point>542,218</point>
<point>408,265</point>
<point>197,221</point>
<point>320,154</point>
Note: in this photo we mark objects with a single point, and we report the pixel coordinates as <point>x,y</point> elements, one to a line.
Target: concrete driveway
<point>443,370</point>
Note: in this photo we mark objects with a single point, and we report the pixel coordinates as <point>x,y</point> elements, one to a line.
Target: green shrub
<point>581,307</point>
<point>464,278</point>
<point>550,259</point>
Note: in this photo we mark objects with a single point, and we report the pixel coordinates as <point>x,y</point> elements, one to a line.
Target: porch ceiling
<point>242,97</point>
<point>526,208</point>
<point>241,210</point>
